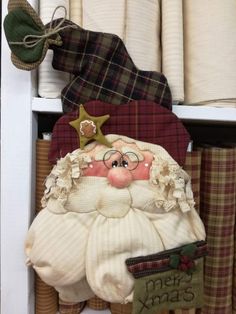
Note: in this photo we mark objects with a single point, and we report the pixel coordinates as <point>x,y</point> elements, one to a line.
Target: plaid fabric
<point>70,307</point>
<point>117,308</point>
<point>193,167</point>
<point>154,263</point>
<point>46,297</point>
<point>97,304</point>
<point>43,168</point>
<point>142,120</point>
<point>218,205</point>
<point>103,70</point>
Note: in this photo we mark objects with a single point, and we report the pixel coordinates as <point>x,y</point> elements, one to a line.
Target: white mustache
<point>109,201</point>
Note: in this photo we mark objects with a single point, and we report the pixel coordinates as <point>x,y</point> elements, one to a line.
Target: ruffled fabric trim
<point>63,177</point>
<point>174,186</point>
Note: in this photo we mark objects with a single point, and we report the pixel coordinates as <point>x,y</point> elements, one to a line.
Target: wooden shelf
<point>189,113</point>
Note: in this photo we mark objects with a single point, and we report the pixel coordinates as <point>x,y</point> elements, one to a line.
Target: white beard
<point>100,227</point>
<point>120,231</point>
<point>96,194</point>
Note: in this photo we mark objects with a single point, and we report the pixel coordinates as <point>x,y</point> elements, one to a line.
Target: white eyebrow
<point>126,149</point>
<point>100,155</point>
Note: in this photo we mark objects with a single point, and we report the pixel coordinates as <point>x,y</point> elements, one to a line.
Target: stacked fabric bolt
<point>50,81</point>
<point>210,52</point>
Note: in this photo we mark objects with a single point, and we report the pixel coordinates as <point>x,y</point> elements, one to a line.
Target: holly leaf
<point>189,250</point>
<point>174,261</point>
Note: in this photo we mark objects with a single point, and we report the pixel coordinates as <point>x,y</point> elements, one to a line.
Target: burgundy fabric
<point>142,120</point>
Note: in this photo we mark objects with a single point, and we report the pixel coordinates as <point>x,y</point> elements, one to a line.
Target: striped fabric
<point>46,297</point>
<point>43,168</point>
<point>173,46</point>
<point>208,79</point>
<point>103,70</point>
<point>104,16</point>
<point>218,206</point>
<point>70,308</point>
<point>76,14</point>
<point>50,81</point>
<point>142,33</point>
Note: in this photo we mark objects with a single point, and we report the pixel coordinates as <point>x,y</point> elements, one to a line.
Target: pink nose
<point>119,177</point>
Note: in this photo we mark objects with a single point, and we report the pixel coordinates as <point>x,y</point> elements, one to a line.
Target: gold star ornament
<point>89,128</point>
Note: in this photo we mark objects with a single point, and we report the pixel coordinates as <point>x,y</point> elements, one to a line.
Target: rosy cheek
<point>142,172</point>
<point>96,169</point>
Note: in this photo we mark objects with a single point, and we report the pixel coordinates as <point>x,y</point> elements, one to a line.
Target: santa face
<point>121,165</point>
<point>115,181</point>
<point>103,206</point>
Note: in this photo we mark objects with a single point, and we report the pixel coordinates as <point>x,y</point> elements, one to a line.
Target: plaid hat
<point>101,66</point>
<point>103,70</point>
<point>142,120</point>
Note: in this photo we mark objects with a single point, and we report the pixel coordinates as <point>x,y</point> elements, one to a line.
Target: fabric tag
<point>169,290</point>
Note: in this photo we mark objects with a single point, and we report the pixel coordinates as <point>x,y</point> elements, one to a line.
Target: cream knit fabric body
<point>80,241</point>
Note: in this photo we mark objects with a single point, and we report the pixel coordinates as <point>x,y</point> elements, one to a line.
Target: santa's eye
<point>130,161</point>
<point>111,158</point>
<point>124,163</point>
<point>114,164</point>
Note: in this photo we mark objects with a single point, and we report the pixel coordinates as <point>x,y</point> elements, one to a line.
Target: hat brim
<point>28,66</point>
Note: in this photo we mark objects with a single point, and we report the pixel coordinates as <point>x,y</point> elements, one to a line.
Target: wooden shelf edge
<point>188,113</point>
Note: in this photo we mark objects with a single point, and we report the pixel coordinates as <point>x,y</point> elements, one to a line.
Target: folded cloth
<point>104,16</point>
<point>172,47</point>
<point>50,81</point>
<point>76,14</point>
<point>142,120</point>
<point>142,33</point>
<point>210,52</point>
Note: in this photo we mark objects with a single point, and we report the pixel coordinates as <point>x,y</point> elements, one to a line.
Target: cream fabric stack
<point>104,16</point>
<point>172,47</point>
<point>153,43</point>
<point>142,33</point>
<point>50,81</point>
<point>76,12</point>
<point>210,52</point>
<point>192,42</point>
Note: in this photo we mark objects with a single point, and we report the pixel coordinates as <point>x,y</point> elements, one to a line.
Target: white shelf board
<point>204,113</point>
<point>190,113</point>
